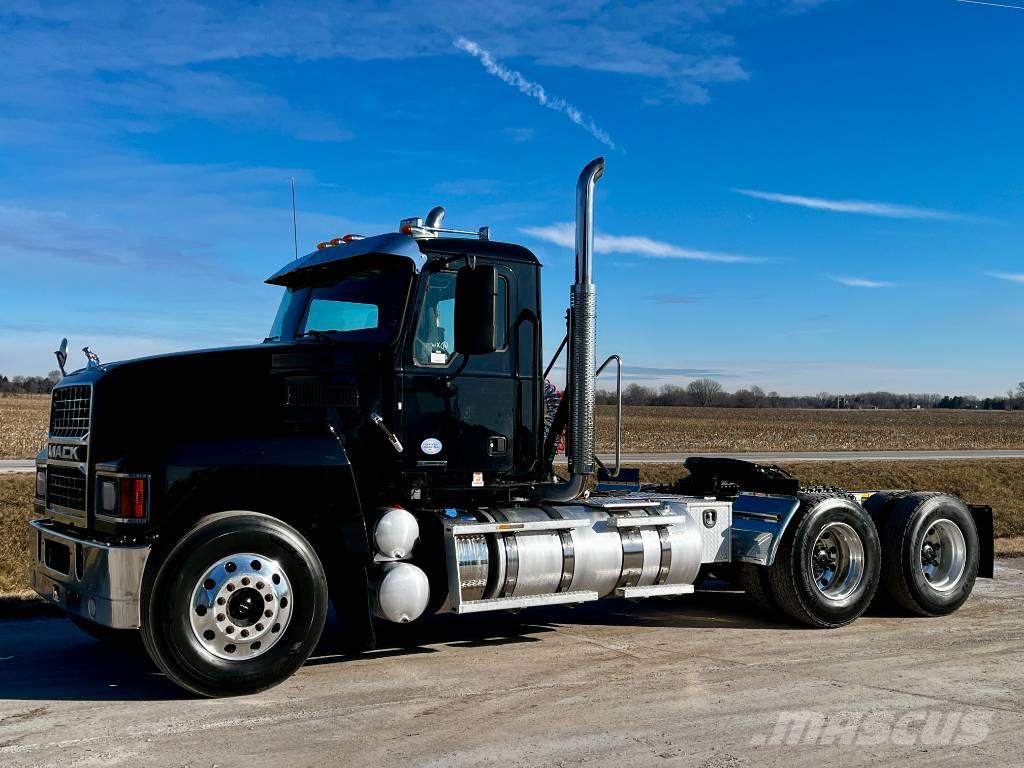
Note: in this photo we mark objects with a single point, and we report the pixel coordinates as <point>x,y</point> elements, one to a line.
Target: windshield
<point>364,304</point>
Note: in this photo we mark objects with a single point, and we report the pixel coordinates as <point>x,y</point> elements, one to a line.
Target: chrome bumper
<point>97,581</point>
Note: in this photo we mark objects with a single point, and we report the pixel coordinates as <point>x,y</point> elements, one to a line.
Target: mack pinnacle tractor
<point>388,449</point>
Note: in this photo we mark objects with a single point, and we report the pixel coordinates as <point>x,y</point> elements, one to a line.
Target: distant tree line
<point>28,385</point>
<point>707,393</point>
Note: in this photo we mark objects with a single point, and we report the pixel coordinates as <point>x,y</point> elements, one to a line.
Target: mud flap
<point>982,515</point>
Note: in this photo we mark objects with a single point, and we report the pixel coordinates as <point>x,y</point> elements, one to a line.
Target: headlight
<point>41,483</point>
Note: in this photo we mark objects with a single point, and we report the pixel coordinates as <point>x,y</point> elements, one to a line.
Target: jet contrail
<point>536,90</point>
<point>993,5</point>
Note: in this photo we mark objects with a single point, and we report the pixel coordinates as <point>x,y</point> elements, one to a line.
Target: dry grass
<point>667,429</point>
<point>15,510</point>
<point>23,421</point>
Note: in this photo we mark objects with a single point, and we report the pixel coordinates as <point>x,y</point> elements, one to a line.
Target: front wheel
<point>236,606</point>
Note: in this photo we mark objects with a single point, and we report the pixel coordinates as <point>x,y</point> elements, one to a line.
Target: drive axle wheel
<point>236,606</point>
<point>931,553</point>
<point>827,568</point>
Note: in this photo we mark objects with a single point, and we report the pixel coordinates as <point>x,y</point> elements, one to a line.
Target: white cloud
<point>865,207</point>
<point>1013,277</point>
<point>533,90</point>
<point>564,234</point>
<point>861,282</point>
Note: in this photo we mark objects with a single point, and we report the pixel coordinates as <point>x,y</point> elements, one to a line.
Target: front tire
<point>827,569</point>
<point>236,606</point>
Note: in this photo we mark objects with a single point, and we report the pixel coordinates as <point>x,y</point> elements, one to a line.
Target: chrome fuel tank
<point>599,548</point>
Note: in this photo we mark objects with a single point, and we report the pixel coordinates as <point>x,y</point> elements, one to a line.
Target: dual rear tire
<point>827,568</point>
<point>930,551</point>
<point>918,552</point>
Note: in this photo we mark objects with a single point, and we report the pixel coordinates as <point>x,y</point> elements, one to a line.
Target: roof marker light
<point>321,246</point>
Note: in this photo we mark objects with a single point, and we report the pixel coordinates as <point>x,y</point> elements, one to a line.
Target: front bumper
<point>98,581</point>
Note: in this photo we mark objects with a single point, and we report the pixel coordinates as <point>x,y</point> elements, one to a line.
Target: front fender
<point>307,481</point>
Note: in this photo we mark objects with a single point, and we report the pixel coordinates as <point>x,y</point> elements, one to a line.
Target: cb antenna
<point>295,221</point>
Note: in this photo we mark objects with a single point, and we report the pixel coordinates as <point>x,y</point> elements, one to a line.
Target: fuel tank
<point>598,547</point>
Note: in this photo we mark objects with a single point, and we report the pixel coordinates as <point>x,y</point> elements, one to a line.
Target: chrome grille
<point>69,411</point>
<point>65,487</point>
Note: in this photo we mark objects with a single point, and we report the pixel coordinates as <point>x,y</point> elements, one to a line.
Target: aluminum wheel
<point>944,555</point>
<point>837,561</point>
<point>241,606</point>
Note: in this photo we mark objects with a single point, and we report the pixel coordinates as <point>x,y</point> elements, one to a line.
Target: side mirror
<point>62,355</point>
<point>476,310</point>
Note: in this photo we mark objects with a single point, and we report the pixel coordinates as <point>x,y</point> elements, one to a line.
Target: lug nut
<point>231,587</point>
<point>259,627</point>
<point>221,617</point>
<point>229,630</point>
<point>245,581</point>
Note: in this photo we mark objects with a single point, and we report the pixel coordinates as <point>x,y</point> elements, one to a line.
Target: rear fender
<point>758,525</point>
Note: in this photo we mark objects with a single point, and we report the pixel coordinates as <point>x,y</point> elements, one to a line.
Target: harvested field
<point>23,425</point>
<point>667,429</point>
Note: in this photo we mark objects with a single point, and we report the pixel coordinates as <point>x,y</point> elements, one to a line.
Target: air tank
<point>399,592</point>
<point>396,533</point>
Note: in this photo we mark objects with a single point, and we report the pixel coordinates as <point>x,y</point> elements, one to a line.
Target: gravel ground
<point>698,681</point>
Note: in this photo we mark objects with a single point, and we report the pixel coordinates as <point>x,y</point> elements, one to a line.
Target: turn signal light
<point>132,498</point>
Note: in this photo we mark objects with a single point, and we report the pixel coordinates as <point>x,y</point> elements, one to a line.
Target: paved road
<point>20,465</point>
<point>8,466</point>
<point>697,681</point>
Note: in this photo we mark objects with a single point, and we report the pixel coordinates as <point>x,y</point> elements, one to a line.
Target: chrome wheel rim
<point>837,561</point>
<point>241,606</point>
<point>943,555</point>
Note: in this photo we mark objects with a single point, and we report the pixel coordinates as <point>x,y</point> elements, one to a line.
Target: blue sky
<point>803,194</point>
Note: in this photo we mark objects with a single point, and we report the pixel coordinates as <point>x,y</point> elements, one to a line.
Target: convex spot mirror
<point>476,310</point>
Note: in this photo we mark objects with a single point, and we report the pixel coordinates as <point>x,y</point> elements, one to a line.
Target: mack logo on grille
<point>63,452</point>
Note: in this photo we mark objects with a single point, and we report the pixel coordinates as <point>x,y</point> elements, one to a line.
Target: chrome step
<point>532,601</point>
<point>655,590</point>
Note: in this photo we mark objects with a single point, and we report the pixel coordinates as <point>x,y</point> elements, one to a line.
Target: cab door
<point>458,412</point>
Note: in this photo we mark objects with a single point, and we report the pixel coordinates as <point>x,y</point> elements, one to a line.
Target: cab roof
<point>397,244</point>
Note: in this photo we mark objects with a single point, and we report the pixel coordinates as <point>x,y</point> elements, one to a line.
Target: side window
<point>435,334</point>
<point>502,313</point>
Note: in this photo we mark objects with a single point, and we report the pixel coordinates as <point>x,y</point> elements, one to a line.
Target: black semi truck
<point>386,449</point>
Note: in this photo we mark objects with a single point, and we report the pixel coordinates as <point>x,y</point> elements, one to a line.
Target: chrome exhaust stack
<point>583,328</point>
<point>582,346</point>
